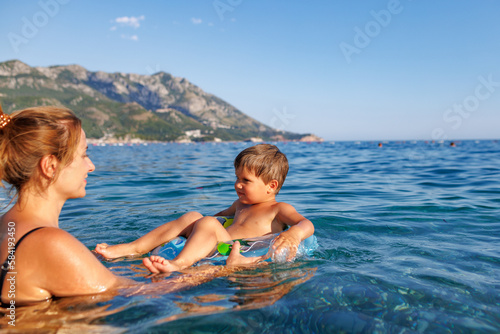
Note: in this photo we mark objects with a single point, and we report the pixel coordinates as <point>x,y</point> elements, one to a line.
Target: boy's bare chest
<point>260,220</point>
<point>265,214</point>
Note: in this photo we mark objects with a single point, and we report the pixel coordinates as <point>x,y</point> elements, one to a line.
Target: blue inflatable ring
<point>249,247</point>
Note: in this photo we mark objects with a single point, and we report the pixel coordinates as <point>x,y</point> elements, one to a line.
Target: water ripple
<point>409,238</point>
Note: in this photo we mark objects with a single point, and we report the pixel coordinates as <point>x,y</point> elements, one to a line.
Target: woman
<point>43,156</point>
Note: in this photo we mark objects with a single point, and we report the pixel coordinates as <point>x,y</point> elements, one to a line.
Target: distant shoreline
<point>380,143</point>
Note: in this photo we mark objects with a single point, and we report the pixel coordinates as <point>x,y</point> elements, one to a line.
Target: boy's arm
<point>300,229</point>
<point>229,212</point>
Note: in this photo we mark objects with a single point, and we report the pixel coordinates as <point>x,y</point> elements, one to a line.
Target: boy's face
<point>252,189</point>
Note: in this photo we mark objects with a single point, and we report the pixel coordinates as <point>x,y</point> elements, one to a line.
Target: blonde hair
<point>30,135</point>
<point>266,161</point>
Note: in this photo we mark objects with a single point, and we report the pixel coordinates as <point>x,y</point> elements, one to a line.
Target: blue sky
<point>344,70</point>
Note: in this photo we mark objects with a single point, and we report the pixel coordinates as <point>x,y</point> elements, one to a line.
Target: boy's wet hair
<point>266,161</point>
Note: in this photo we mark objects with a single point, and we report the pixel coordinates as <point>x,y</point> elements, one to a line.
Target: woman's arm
<point>68,268</point>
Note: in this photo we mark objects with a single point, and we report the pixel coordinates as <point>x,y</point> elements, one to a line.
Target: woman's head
<point>29,135</point>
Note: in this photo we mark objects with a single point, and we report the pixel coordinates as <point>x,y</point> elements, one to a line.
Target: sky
<point>340,69</point>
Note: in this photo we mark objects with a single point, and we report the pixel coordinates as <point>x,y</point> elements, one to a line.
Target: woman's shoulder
<point>46,243</point>
<point>54,240</point>
<point>50,234</point>
<point>32,237</point>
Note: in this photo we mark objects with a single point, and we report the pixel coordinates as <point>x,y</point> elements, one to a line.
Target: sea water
<point>408,233</point>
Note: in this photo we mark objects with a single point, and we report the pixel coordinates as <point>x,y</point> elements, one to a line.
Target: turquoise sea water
<point>408,233</point>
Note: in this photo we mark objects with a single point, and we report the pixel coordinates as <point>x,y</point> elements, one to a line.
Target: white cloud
<point>130,21</point>
<point>134,38</point>
<point>196,21</point>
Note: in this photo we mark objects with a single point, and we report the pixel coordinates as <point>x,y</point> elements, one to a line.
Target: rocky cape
<point>124,106</point>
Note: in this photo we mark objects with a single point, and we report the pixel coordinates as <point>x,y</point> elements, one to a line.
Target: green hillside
<point>115,105</point>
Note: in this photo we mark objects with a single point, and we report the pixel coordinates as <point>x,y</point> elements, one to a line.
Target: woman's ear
<point>48,165</point>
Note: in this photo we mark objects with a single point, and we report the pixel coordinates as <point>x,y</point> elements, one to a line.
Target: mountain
<point>151,107</point>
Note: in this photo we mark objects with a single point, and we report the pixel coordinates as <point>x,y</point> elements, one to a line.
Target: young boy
<point>260,172</point>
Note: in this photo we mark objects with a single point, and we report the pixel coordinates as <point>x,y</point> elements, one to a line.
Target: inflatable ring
<point>250,247</point>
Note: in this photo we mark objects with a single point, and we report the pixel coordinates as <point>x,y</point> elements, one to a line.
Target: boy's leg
<point>158,264</point>
<point>182,226</point>
<point>202,241</point>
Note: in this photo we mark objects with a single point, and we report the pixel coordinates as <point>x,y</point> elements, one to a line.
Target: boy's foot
<point>235,258</point>
<point>114,251</point>
<point>157,264</point>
